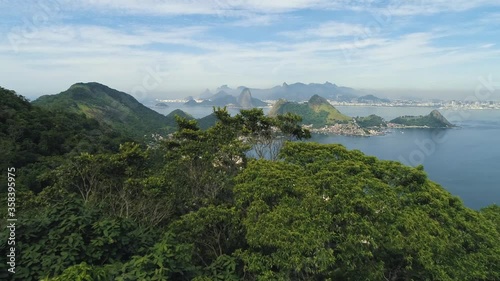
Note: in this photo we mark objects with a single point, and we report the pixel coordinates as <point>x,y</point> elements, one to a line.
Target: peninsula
<point>320,116</point>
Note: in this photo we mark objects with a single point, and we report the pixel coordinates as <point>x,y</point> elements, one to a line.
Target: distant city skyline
<point>163,49</point>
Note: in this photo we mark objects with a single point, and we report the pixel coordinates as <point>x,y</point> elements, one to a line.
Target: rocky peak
<point>317,100</point>
<point>245,98</point>
<point>437,115</point>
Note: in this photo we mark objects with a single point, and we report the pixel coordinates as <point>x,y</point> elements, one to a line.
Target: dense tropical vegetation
<point>242,200</point>
<point>111,108</point>
<point>317,112</point>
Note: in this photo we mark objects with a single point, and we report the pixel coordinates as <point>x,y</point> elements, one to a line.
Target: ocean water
<point>464,160</point>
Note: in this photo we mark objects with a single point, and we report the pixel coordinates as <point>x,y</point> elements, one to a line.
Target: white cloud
<point>257,20</point>
<point>191,58</point>
<point>487,46</point>
<point>60,55</point>
<point>491,19</point>
<point>242,7</point>
<point>91,38</point>
<point>327,30</point>
<point>200,7</point>
<point>427,7</point>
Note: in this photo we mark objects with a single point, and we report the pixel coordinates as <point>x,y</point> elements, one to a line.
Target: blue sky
<point>154,48</point>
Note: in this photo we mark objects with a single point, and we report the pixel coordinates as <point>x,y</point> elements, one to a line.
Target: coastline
<point>353,131</point>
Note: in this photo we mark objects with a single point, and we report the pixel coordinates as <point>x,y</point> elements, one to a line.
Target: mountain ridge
<point>302,92</point>
<point>116,109</point>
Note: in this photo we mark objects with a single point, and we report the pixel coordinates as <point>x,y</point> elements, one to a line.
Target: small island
<point>434,120</point>
<point>161,104</point>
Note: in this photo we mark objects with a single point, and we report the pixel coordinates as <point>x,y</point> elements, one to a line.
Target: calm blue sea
<point>464,160</point>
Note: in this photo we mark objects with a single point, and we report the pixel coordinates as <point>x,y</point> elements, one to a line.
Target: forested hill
<point>317,111</point>
<point>38,138</point>
<point>119,110</point>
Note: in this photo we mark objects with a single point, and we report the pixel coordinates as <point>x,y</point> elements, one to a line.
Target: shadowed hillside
<point>119,110</point>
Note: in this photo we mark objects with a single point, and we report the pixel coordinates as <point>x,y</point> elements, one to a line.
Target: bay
<point>464,160</point>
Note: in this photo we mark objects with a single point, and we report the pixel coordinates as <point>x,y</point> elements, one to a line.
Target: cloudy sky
<point>153,48</point>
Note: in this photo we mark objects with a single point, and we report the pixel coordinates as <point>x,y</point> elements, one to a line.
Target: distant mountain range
<point>301,92</point>
<point>371,99</point>
<point>222,98</point>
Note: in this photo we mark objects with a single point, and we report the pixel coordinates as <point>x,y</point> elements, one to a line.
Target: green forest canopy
<point>112,108</point>
<point>196,207</point>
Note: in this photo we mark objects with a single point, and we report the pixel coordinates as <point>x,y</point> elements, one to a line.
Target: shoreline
<point>366,132</point>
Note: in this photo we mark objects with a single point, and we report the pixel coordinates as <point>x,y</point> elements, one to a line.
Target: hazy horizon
<point>172,49</point>
<point>409,94</point>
